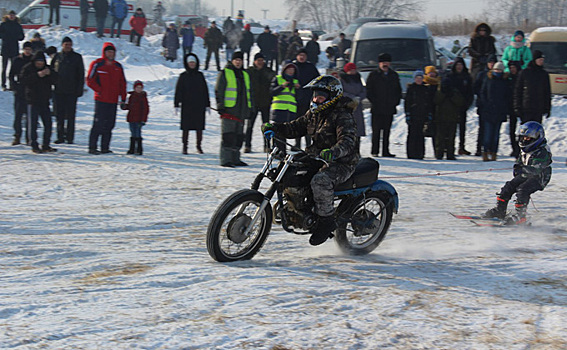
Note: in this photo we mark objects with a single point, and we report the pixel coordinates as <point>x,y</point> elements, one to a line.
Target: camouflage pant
<point>323,186</point>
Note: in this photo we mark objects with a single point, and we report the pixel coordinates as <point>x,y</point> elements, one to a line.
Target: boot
<point>16,141</point>
<point>493,156</point>
<point>132,145</point>
<point>185,140</point>
<point>139,149</point>
<point>199,140</point>
<point>322,230</point>
<point>520,216</point>
<point>464,152</point>
<point>485,157</point>
<point>499,211</point>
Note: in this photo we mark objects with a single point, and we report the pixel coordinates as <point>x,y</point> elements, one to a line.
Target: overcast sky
<point>278,10</point>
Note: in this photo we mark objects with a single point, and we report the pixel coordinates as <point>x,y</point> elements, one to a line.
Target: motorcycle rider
<point>331,125</point>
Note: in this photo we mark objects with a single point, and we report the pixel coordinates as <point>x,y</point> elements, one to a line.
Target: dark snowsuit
<point>261,80</point>
<point>69,87</point>
<point>20,104</point>
<point>192,93</point>
<point>384,92</point>
<point>449,102</point>
<point>268,44</point>
<point>213,42</point>
<point>417,108</point>
<point>332,128</point>
<point>495,95</point>
<point>463,82</point>
<point>11,33</point>
<point>532,94</point>
<point>313,50</point>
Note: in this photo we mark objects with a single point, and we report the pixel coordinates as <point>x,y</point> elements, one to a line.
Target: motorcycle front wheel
<point>226,235</point>
<point>368,224</point>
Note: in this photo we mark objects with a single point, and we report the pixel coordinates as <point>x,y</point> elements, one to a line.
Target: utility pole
<point>231,8</point>
<point>265,11</point>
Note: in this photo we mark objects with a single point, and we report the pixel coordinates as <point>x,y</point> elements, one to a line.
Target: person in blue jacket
<point>118,11</point>
<point>188,36</point>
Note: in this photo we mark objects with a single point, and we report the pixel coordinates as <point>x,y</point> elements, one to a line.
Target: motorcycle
<point>364,207</point>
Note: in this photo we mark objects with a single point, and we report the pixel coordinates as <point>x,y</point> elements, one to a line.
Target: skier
<point>532,172</point>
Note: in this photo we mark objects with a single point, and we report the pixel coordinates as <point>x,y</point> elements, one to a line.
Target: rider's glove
<point>269,134</point>
<point>266,127</point>
<point>326,154</point>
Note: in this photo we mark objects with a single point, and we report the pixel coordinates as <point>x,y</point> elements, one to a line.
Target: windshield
<point>555,55</point>
<point>406,53</point>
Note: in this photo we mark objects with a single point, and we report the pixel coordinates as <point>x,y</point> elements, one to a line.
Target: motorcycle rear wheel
<point>226,239</point>
<point>368,226</point>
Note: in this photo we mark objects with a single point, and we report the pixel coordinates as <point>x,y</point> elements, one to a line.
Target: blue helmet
<point>530,136</point>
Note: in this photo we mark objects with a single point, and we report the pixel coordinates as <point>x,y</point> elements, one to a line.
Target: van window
<point>33,16</point>
<point>406,53</point>
<point>555,55</point>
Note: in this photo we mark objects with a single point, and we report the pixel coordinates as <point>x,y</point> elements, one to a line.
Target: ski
<point>473,217</point>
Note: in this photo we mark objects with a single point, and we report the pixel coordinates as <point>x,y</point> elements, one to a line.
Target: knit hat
<point>492,58</point>
<point>51,50</point>
<point>66,40</point>
<point>259,55</point>
<point>138,82</point>
<point>418,73</point>
<point>109,48</point>
<point>384,57</point>
<point>430,69</point>
<point>12,12</point>
<point>538,54</point>
<point>267,27</point>
<point>349,66</point>
<point>38,56</point>
<point>238,55</point>
<point>36,35</point>
<point>519,32</point>
<point>247,26</point>
<point>27,44</point>
<point>302,50</point>
<point>191,58</point>
<point>498,66</point>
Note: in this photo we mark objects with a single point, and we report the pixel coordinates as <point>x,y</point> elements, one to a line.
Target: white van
<point>409,43</point>
<point>36,15</point>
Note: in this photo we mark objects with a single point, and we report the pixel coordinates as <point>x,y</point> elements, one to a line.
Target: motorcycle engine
<point>298,207</point>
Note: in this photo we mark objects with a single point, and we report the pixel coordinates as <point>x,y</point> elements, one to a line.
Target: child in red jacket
<point>138,110</point>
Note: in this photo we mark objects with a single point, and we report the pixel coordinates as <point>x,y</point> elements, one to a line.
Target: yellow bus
<point>552,41</point>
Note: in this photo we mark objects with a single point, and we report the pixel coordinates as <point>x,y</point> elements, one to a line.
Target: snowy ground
<point>108,251</point>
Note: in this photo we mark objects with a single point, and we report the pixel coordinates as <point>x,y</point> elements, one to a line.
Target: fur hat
<point>430,69</point>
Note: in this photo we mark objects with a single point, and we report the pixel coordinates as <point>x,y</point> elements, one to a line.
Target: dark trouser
<point>66,110</point>
<point>491,136</point>
<point>381,124</point>
<point>35,112</point>
<point>522,186</point>
<point>416,141</point>
<point>513,138</point>
<point>103,123</point>
<point>133,34</point>
<point>480,136</point>
<point>462,128</point>
<point>5,60</point>
<point>187,50</point>
<point>135,129</point>
<point>209,53</point>
<point>323,186</point>
<point>265,112</point>
<point>232,138</point>
<point>20,107</point>
<point>100,25</point>
<point>56,10</point>
<point>84,18</point>
<point>445,140</point>
<point>115,21</point>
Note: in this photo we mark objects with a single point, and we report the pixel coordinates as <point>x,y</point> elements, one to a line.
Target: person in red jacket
<point>138,110</point>
<point>106,78</point>
<point>138,23</point>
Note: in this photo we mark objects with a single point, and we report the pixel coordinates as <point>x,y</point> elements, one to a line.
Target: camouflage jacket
<point>332,128</point>
<point>535,164</point>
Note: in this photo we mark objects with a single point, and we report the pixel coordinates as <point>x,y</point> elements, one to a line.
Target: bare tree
<point>537,13</point>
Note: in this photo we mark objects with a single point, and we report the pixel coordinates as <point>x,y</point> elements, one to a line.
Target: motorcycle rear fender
<point>377,186</point>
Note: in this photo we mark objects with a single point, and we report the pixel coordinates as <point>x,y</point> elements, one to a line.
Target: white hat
<point>499,66</point>
<point>191,58</point>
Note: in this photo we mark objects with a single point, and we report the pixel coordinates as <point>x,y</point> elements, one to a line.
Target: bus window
<point>33,16</point>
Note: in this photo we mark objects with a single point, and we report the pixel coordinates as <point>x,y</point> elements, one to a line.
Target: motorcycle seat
<point>365,174</point>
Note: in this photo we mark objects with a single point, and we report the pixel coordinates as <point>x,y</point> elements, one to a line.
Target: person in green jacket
<point>517,51</point>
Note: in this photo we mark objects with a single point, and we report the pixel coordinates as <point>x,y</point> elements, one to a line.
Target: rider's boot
<point>322,230</point>
<point>499,211</point>
<point>520,216</point>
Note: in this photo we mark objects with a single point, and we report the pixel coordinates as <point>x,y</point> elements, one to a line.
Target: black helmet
<point>329,85</point>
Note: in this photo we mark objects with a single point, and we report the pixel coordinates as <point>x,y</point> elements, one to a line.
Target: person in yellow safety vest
<point>234,104</point>
<point>284,103</point>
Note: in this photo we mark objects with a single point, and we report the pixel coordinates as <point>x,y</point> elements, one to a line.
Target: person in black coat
<point>101,10</point>
<point>20,105</point>
<point>306,71</point>
<point>481,46</point>
<point>192,93</point>
<point>461,80</point>
<point>532,94</point>
<point>69,87</point>
<point>477,86</point>
<point>38,78</point>
<point>313,49</point>
<point>11,33</point>
<point>268,44</point>
<point>384,92</point>
<point>246,43</point>
<point>54,7</point>
<point>495,95</point>
<point>417,106</point>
